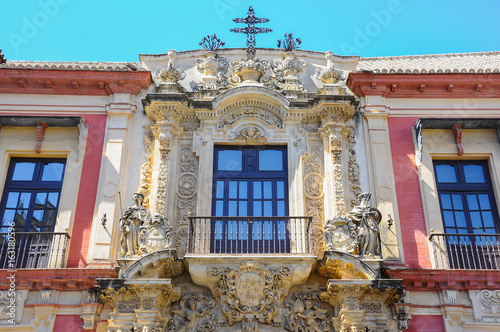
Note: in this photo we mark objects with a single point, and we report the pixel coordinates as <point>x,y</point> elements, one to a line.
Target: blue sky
<point>120,30</point>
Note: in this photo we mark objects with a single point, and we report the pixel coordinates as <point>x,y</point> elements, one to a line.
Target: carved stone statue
<point>302,313</point>
<point>196,314</point>
<point>130,224</point>
<point>358,232</point>
<point>367,218</point>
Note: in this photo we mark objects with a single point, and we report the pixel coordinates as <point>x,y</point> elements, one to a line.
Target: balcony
<point>250,235</point>
<point>41,250</point>
<point>466,251</point>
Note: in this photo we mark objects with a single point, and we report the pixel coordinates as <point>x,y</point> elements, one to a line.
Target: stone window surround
<point>60,142</point>
<point>434,140</point>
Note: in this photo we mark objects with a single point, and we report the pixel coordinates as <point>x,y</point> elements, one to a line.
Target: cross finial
<point>251,30</point>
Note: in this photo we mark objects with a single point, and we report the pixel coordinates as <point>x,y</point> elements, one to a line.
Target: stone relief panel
<point>313,189</point>
<point>250,292</point>
<point>353,166</point>
<point>244,109</point>
<point>12,306</point>
<point>147,167</point>
<point>196,312</point>
<point>486,305</point>
<point>302,312</point>
<point>336,151</point>
<point>164,140</point>
<point>186,193</point>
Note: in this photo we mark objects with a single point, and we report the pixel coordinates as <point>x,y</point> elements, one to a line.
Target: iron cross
<point>251,30</point>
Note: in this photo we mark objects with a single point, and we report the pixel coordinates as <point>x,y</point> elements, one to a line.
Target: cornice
<point>425,85</point>
<point>72,82</point>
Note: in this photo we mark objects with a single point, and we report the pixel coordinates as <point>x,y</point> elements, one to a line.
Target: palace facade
<point>229,189</point>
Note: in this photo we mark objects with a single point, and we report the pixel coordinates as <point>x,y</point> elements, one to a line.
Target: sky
<point>120,30</point>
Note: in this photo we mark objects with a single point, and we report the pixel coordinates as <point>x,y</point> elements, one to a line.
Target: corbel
<point>479,87</point>
<point>40,135</point>
<point>450,87</point>
<point>421,87</point>
<point>457,131</point>
<point>394,87</point>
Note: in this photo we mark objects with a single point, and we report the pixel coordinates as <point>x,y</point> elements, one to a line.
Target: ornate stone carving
<point>186,194</point>
<point>90,312</point>
<point>249,71</point>
<point>303,313</point>
<point>313,188</point>
<point>147,167</point>
<point>213,68</point>
<point>313,185</point>
<point>330,76</point>
<point>251,135</point>
<point>164,140</point>
<point>155,234</point>
<point>130,224</point>
<point>250,112</point>
<point>486,305</point>
<point>336,151</point>
<point>356,233</point>
<point>196,314</point>
<point>340,235</point>
<point>250,291</point>
<point>12,306</point>
<point>353,166</point>
<point>285,72</point>
<point>167,78</point>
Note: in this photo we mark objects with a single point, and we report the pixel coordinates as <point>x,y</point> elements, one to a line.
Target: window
<point>250,188</point>
<point>30,202</point>
<point>467,207</point>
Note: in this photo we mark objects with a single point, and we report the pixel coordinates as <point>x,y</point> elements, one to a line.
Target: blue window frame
<point>468,206</point>
<point>30,203</point>
<point>250,181</point>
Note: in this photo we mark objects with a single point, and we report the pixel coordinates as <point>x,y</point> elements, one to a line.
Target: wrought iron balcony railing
<point>41,250</point>
<point>255,235</point>
<point>466,251</point>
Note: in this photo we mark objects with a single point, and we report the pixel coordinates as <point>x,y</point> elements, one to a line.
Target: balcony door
<point>250,200</point>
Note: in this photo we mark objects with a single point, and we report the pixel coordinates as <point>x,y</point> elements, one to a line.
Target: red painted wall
<point>425,324</point>
<point>411,214</point>
<point>68,323</point>
<point>80,235</point>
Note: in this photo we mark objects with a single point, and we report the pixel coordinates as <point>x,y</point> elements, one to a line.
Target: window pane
<point>257,190</point>
<point>472,202</point>
<point>23,171</point>
<point>21,218</point>
<point>242,208</point>
<point>488,219</point>
<point>24,201</point>
<point>243,189</point>
<point>280,189</point>
<point>12,200</point>
<point>449,220</point>
<point>474,173</point>
<point>233,189</point>
<point>219,208</point>
<point>230,160</point>
<point>270,160</point>
<point>457,202</point>
<point>37,219</point>
<point>281,208</point>
<point>476,221</point>
<point>460,219</point>
<point>268,189</point>
<point>257,208</point>
<point>484,201</point>
<point>52,172</point>
<point>446,201</point>
<point>232,209</point>
<point>219,190</point>
<point>50,219</point>
<point>8,217</point>
<point>268,208</point>
<point>52,200</point>
<point>446,173</point>
<point>40,200</point>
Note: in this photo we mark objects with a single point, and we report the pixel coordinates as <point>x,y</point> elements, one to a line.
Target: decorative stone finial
<point>213,67</point>
<point>168,77</point>
<point>330,76</point>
